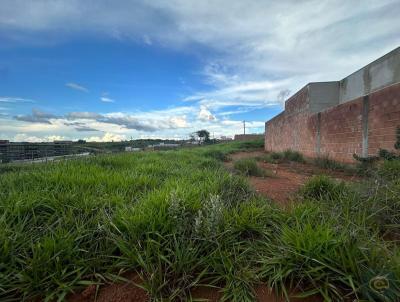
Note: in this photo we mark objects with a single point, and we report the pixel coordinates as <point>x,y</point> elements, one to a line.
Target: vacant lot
<point>178,222</point>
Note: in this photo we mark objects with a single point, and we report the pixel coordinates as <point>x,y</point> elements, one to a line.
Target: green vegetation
<point>323,187</point>
<point>287,155</point>
<point>102,147</point>
<point>249,167</point>
<point>390,169</point>
<point>180,219</point>
<point>327,163</point>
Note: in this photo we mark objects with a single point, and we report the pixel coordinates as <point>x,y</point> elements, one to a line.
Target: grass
<point>287,155</point>
<point>323,187</point>
<point>325,162</point>
<point>249,167</point>
<point>180,219</point>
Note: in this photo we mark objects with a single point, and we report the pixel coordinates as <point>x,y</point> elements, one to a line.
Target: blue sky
<point>112,70</point>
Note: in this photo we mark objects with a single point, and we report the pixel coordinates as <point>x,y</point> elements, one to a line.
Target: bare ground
<point>131,292</point>
<point>287,177</point>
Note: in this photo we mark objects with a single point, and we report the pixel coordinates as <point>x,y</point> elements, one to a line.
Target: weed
<point>248,166</point>
<point>327,163</point>
<point>287,155</point>
<point>322,187</point>
<point>390,169</point>
<point>293,156</point>
<point>216,154</point>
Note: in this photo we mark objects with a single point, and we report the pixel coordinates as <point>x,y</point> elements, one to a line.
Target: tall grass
<point>249,167</point>
<point>180,219</point>
<point>287,155</point>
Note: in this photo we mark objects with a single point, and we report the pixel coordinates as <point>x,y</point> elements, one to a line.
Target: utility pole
<point>244,127</point>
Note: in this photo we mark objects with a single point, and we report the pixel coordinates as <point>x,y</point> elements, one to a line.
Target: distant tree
<point>200,136</point>
<point>204,135</point>
<point>81,141</point>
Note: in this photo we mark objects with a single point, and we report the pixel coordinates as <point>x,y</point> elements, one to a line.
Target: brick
<point>341,126</point>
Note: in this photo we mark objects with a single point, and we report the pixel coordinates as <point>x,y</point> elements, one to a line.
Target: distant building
<point>162,146</point>
<point>10,151</point>
<point>225,138</point>
<point>132,149</point>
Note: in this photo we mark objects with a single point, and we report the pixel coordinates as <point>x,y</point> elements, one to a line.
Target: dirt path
<point>129,292</point>
<point>287,177</point>
<point>113,292</point>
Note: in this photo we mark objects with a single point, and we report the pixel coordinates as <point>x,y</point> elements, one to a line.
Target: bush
<point>276,156</point>
<point>390,169</point>
<point>293,156</point>
<point>322,187</point>
<point>329,164</point>
<point>387,155</point>
<point>288,155</point>
<point>272,158</point>
<point>216,154</point>
<point>255,144</point>
<point>248,166</point>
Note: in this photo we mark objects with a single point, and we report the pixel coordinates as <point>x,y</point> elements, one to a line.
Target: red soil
<point>286,179</point>
<point>114,292</point>
<point>128,292</point>
<point>206,293</point>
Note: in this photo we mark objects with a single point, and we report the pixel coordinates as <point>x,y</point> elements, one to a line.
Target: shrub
<point>288,155</point>
<point>255,144</point>
<point>272,158</point>
<point>397,143</point>
<point>216,154</point>
<point>248,166</point>
<point>293,156</point>
<point>329,164</point>
<point>384,209</point>
<point>318,258</point>
<point>390,169</point>
<point>276,155</point>
<point>322,187</point>
<point>387,155</point>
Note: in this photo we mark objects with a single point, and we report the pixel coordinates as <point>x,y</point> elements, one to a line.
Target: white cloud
<point>107,137</point>
<point>205,114</point>
<point>13,100</point>
<point>106,99</point>
<point>77,87</point>
<point>23,137</point>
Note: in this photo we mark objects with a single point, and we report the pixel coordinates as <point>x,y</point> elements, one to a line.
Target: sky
<point>111,70</point>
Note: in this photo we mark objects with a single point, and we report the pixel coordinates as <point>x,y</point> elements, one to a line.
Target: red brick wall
<point>341,127</point>
<point>383,118</point>
<point>341,130</point>
<point>293,128</point>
